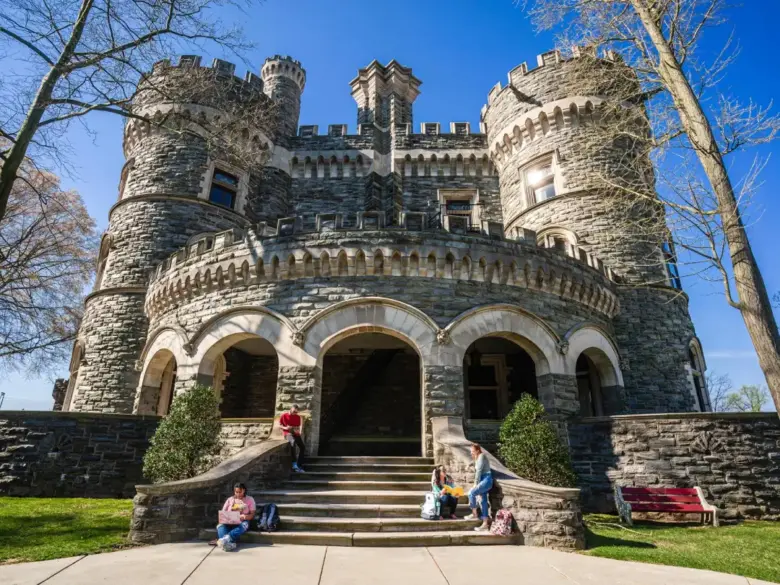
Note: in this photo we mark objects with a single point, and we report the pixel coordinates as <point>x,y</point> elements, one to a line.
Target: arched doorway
<point>589,387</point>
<point>371,397</point>
<point>244,372</point>
<point>157,385</point>
<point>496,373</point>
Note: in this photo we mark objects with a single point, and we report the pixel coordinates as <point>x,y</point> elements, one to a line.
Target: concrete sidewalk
<point>199,564</point>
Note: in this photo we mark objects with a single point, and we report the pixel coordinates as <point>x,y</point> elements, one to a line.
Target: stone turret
<point>385,94</point>
<point>284,80</point>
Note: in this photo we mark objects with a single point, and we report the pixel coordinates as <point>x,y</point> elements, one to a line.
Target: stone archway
<point>156,389</point>
<point>593,358</point>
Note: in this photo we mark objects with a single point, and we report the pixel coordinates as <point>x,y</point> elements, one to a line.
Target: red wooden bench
<point>662,499</point>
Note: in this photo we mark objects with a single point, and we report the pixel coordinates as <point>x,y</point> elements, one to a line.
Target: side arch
<point>599,347</point>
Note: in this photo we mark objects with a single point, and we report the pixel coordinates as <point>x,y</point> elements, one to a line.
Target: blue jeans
<point>232,530</point>
<point>481,489</point>
<point>448,503</point>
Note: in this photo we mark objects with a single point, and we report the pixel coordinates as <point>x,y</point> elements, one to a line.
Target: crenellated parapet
<point>237,258</point>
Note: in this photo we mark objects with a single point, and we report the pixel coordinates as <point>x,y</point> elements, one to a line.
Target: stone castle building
<point>382,275</point>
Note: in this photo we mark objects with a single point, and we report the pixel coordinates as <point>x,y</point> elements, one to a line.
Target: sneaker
<point>230,546</point>
<point>470,517</point>
<point>222,542</point>
<point>295,468</point>
<point>483,528</point>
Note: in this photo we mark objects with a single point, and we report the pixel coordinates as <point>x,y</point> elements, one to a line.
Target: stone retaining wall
<point>237,434</point>
<point>545,516</point>
<point>733,457</point>
<point>65,454</point>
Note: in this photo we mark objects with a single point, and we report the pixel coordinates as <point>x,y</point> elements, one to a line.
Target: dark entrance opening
<point>371,397</point>
<point>245,379</point>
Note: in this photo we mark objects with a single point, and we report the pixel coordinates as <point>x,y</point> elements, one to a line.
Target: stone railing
<point>72,454</point>
<point>545,516</point>
<point>178,510</point>
<point>733,457</point>
<point>236,259</point>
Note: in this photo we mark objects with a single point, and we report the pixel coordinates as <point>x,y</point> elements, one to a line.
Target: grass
<point>38,529</point>
<point>749,549</point>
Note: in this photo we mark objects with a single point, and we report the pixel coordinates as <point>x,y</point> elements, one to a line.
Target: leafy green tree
<point>747,399</point>
<point>187,440</point>
<point>529,445</point>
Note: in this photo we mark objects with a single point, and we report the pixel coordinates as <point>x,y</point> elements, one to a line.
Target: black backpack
<point>269,519</point>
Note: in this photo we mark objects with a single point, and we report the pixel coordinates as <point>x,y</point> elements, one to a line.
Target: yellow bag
<point>453,491</point>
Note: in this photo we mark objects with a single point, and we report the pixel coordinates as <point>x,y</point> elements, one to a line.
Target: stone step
<point>350,510</point>
<point>301,482</point>
<point>379,539</point>
<point>370,467</point>
<point>331,475</point>
<point>333,496</point>
<point>361,460</point>
<point>314,524</point>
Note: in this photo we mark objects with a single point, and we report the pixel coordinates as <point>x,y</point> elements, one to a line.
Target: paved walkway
<point>199,564</point>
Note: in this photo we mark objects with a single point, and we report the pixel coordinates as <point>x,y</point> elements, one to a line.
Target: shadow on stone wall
<point>733,457</point>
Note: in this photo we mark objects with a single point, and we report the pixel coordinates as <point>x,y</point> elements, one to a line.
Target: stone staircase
<point>362,501</point>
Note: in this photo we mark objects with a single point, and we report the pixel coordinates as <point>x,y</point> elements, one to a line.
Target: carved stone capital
<point>298,338</point>
<point>563,347</point>
<point>443,337</point>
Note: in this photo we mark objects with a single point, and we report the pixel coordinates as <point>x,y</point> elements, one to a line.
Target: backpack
<point>430,508</point>
<point>269,519</point>
<point>502,525</point>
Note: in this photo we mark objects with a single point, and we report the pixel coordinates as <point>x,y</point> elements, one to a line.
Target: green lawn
<point>749,549</point>
<point>37,529</point>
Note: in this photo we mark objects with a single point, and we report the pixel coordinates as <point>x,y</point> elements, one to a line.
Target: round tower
<point>284,80</point>
<point>561,171</point>
<point>184,175</point>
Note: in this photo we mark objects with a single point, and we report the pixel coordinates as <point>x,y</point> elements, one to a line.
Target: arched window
<point>698,381</point>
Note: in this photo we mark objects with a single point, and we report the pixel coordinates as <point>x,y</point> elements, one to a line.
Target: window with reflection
<point>224,189</point>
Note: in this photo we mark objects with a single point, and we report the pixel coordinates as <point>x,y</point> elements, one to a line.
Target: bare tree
<point>48,248</point>
<point>719,387</point>
<point>696,126</point>
<point>748,398</point>
<point>85,56</point>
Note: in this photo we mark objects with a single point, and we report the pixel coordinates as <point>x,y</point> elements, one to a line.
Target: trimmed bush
<point>529,446</point>
<point>187,441</point>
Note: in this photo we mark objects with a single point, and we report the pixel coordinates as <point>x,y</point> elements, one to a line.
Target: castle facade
<point>383,276</point>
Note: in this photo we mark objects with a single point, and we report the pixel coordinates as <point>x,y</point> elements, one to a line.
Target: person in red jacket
<point>290,423</point>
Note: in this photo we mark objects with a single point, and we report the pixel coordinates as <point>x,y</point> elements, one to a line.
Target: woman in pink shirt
<point>228,534</point>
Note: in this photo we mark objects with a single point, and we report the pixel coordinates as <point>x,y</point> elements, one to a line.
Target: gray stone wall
<point>73,455</point>
<point>237,435</point>
<point>734,458</point>
<point>114,332</point>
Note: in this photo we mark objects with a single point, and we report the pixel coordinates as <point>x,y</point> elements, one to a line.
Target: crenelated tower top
<point>385,94</point>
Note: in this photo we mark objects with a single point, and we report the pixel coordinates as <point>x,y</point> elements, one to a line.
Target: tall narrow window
<point>224,189</point>
<point>540,181</point>
<point>698,380</point>
<point>670,259</point>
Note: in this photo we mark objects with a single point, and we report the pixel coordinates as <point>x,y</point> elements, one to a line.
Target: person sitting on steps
<point>447,502</point>
<point>228,534</point>
<point>483,482</point>
<point>290,423</point>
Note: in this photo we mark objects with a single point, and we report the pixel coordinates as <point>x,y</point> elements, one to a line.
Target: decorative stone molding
<point>443,337</point>
<point>298,338</point>
<point>563,347</point>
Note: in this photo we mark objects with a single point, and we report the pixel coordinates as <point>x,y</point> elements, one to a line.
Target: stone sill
<point>73,415</point>
<point>677,415</point>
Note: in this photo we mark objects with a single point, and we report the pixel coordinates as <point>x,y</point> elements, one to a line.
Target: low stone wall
<point>240,433</point>
<point>545,516</point>
<point>733,457</point>
<point>72,454</point>
<point>178,510</point>
<point>484,432</point>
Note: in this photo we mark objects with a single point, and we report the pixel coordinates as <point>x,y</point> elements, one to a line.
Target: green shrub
<point>529,446</point>
<point>187,440</point>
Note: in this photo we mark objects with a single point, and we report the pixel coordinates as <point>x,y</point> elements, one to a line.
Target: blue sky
<point>459,49</point>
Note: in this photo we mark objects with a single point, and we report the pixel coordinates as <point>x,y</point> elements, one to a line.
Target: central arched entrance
<point>371,397</point>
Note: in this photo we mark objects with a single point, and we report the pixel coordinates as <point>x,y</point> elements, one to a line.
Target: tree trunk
<point>754,303</point>
<point>18,152</point>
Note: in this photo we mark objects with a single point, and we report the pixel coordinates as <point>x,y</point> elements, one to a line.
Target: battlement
<point>222,69</point>
<point>547,61</point>
<point>284,66</point>
<point>426,129</point>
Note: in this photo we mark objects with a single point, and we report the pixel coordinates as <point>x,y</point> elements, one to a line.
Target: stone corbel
<point>562,347</point>
<point>443,337</point>
<point>298,338</point>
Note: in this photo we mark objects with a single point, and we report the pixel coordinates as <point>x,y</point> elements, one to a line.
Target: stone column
<point>442,396</point>
<point>302,385</point>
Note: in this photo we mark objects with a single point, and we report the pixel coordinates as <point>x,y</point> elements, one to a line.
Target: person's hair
<point>295,406</point>
<point>477,447</point>
<point>240,486</point>
<point>437,475</point>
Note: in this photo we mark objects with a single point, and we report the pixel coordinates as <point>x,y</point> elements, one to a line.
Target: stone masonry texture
<point>734,458</point>
<point>73,455</point>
